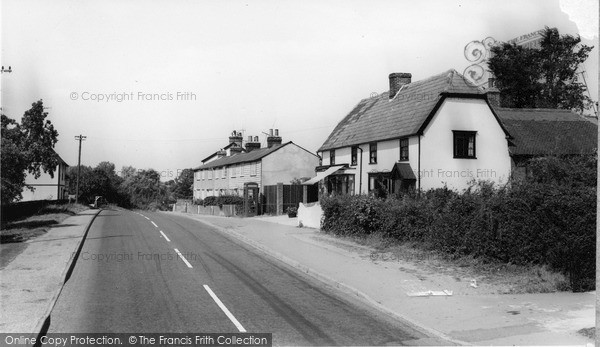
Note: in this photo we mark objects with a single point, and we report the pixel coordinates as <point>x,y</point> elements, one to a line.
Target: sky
<point>162,84</point>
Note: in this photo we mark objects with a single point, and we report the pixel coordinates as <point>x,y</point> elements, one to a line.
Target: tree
<point>544,77</point>
<point>99,181</point>
<point>183,185</point>
<point>26,148</point>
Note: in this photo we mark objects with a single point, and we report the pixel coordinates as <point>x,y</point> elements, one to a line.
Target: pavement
<point>31,282</point>
<point>465,317</point>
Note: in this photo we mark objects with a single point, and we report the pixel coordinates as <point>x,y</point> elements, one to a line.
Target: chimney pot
<point>270,132</point>
<point>276,132</point>
<point>252,145</point>
<point>397,80</point>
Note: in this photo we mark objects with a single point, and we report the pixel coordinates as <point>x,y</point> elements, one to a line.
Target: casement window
<point>404,150</point>
<point>253,169</point>
<point>332,157</point>
<point>373,153</point>
<point>464,144</point>
<point>354,156</point>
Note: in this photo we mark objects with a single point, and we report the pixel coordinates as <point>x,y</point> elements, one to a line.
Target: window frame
<point>373,150</point>
<point>354,156</point>
<point>464,135</point>
<point>404,144</point>
<point>332,157</point>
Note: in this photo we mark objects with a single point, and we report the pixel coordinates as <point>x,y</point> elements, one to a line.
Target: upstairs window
<point>354,156</point>
<point>332,157</point>
<point>464,144</point>
<point>404,150</point>
<point>373,153</point>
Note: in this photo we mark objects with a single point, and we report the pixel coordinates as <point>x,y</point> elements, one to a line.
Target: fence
<point>188,207</point>
<point>278,198</point>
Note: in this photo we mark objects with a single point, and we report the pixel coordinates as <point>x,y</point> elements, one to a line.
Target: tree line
<point>139,188</point>
<point>28,149</point>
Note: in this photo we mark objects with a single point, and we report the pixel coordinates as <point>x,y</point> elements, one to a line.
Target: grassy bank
<point>37,224</point>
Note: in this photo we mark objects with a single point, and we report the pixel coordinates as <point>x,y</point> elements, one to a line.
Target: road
<point>129,278</point>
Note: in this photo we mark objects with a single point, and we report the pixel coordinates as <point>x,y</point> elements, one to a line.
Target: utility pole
<point>78,138</point>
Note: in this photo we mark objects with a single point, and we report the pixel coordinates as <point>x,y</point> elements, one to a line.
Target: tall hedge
<point>549,218</point>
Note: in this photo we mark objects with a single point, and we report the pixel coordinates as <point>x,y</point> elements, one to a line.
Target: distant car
<point>99,201</point>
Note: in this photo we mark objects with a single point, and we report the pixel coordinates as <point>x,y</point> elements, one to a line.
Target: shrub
<point>223,200</point>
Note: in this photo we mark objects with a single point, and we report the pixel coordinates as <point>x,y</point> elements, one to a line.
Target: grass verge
<point>490,276</point>
<point>38,224</point>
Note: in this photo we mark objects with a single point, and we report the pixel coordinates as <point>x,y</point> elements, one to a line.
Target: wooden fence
<point>276,199</point>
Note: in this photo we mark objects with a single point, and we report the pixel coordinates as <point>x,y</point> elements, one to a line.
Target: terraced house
<point>228,172</point>
<point>441,131</point>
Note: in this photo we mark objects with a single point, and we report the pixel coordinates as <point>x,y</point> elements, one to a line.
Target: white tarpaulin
<point>322,174</point>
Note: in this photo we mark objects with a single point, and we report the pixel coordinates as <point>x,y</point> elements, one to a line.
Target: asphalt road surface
<point>159,273</point>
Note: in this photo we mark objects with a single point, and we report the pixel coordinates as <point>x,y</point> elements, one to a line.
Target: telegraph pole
<point>78,138</point>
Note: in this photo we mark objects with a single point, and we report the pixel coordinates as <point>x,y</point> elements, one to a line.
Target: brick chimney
<point>492,93</point>
<point>397,80</point>
<point>235,150</point>
<point>236,137</point>
<point>273,138</point>
<point>252,143</point>
<point>221,153</point>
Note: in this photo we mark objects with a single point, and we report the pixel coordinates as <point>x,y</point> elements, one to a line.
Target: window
<point>340,184</point>
<point>464,144</point>
<point>373,153</point>
<point>404,150</point>
<point>354,156</point>
<point>203,174</point>
<point>380,184</point>
<point>332,157</point>
<point>253,168</point>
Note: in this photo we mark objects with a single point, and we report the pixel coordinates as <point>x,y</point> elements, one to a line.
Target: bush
<point>223,200</point>
<point>543,220</point>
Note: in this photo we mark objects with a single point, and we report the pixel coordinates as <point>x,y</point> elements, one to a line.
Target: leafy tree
<point>544,77</point>
<point>183,185</point>
<point>26,148</point>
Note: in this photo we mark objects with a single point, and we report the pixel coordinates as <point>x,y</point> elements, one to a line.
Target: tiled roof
<point>231,144</point>
<point>548,131</point>
<point>251,156</point>
<point>380,118</point>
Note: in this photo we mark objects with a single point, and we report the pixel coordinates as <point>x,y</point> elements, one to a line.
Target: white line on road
<point>165,236</point>
<point>154,224</point>
<point>182,258</point>
<point>224,309</point>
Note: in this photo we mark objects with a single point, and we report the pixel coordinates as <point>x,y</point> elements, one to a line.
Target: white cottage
<point>440,131</point>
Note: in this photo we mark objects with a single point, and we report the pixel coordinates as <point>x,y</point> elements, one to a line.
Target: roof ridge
<point>529,109</point>
<point>420,82</point>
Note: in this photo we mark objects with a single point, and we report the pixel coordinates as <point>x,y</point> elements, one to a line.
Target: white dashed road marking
<point>224,309</point>
<point>182,258</point>
<point>165,236</point>
<point>154,224</point>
